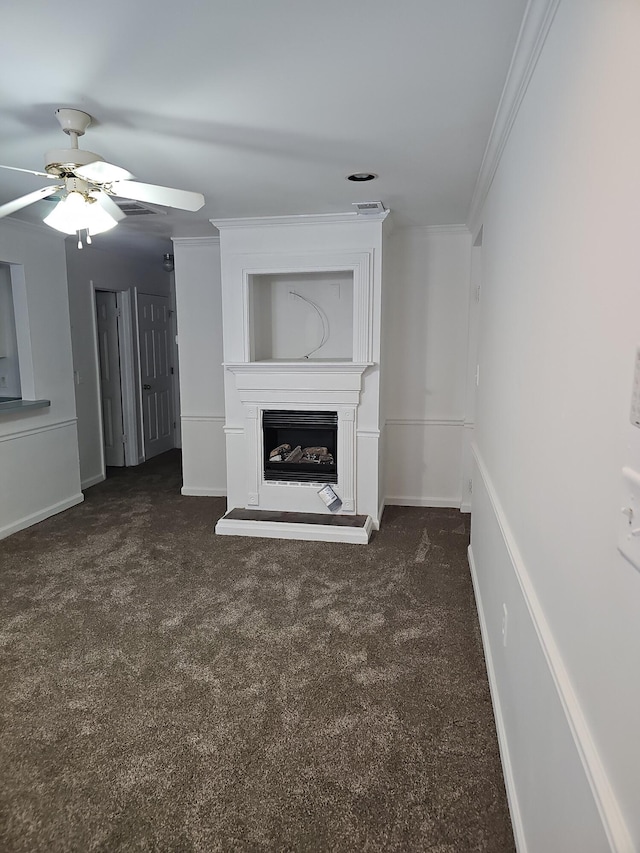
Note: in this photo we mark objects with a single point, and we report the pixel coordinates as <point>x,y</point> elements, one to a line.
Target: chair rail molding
<point>612,819</point>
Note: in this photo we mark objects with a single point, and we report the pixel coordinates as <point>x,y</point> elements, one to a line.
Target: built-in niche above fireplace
<point>300,446</point>
<point>305,315</point>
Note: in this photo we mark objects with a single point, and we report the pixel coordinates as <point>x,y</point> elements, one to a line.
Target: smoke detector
<point>368,207</point>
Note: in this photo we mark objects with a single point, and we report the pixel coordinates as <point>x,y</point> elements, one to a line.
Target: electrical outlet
<point>3,381</point>
<point>505,616</point>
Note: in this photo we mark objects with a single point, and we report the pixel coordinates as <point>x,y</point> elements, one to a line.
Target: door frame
<point>127,374</point>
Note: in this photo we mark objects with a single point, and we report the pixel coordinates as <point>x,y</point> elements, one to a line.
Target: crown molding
<point>299,219</point>
<point>536,24</point>
<point>195,241</point>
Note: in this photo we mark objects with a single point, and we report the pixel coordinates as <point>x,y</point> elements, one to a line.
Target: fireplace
<point>301,310</point>
<point>300,446</point>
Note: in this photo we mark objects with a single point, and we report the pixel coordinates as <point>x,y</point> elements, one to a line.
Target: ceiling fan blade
<point>109,205</point>
<point>31,172</point>
<point>184,199</point>
<point>25,200</point>
<point>100,172</point>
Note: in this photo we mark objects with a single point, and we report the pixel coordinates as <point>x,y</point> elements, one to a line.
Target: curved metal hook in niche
<point>326,332</point>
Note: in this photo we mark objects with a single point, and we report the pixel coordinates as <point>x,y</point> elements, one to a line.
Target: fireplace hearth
<point>300,446</point>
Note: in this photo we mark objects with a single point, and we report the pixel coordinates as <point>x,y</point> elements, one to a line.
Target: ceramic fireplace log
<point>295,455</point>
<point>279,453</point>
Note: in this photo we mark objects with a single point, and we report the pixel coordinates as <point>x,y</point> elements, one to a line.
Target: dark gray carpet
<point>165,689</point>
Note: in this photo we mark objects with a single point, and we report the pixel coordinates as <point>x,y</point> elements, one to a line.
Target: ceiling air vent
<point>135,208</point>
<point>368,207</point>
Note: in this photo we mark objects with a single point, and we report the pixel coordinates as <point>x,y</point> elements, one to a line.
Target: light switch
<point>629,525</point>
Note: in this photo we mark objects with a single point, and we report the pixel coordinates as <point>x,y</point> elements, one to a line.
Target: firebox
<point>300,446</point>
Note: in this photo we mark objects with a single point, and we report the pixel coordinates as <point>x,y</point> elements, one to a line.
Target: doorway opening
<point>135,357</point>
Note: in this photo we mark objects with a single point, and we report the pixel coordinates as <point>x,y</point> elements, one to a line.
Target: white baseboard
<point>92,481</point>
<point>203,493</point>
<point>376,524</point>
<point>606,807</point>
<point>35,517</point>
<point>404,500</point>
<point>465,506</point>
<point>507,770</point>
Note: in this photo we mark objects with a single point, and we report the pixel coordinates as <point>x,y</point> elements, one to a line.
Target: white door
<point>156,379</point>
<point>110,377</point>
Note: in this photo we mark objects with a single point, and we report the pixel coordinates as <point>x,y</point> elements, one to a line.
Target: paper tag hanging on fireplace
<point>330,499</point>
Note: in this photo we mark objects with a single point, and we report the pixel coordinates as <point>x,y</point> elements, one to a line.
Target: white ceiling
<point>263,105</point>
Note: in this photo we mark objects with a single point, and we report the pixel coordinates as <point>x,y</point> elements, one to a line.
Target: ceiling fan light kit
<point>78,213</point>
<point>88,184</point>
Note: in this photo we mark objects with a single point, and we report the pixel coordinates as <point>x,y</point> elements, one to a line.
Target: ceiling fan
<point>88,184</point>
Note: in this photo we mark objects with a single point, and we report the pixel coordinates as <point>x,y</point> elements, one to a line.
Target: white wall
<point>427,287</point>
<point>108,269</point>
<point>427,309</point>
<point>558,330</point>
<point>199,316</point>
<point>38,450</point>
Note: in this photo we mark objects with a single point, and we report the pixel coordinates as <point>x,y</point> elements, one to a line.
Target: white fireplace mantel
<point>299,383</point>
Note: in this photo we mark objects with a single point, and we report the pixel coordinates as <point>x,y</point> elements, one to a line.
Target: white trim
<point>127,376</point>
<point>505,757</point>
<point>142,451</point>
<point>404,500</point>
<point>381,509</point>
<point>455,422</point>
<point>613,821</point>
<point>203,493</point>
<point>97,380</point>
<point>536,24</point>
<point>285,530</point>
<point>233,430</point>
<point>301,366</point>
<point>23,433</point>
<point>196,241</point>
<point>299,219</point>
<point>465,507</point>
<point>368,433</point>
<point>212,418</point>
<point>92,481</point>
<point>35,517</point>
